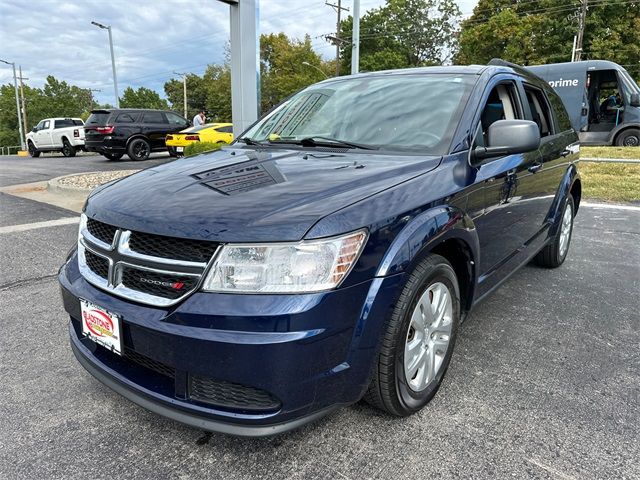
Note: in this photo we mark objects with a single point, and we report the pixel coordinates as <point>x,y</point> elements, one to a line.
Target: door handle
<point>565,152</point>
<point>535,167</point>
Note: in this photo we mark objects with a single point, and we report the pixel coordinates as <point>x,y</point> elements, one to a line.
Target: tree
<point>196,94</point>
<point>403,33</point>
<point>541,32</point>
<point>55,99</point>
<point>142,98</point>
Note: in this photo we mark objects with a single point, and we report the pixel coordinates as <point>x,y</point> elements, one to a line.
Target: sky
<point>152,38</point>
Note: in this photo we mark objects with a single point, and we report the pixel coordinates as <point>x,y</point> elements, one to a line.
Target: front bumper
<point>311,352</point>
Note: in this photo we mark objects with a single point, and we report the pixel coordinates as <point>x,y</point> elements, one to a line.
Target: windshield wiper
<point>320,141</point>
<point>250,141</point>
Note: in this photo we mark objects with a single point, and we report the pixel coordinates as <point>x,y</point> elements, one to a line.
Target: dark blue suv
<point>329,254</point>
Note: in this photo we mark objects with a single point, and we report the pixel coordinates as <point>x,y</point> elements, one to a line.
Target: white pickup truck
<point>64,135</point>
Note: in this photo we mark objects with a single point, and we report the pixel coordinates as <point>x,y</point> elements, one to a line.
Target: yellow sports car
<point>209,132</point>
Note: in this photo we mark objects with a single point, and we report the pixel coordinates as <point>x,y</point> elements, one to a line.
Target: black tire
<point>33,151</point>
<point>552,256</point>
<point>389,389</point>
<point>629,138</point>
<point>138,149</point>
<point>113,156</point>
<point>173,152</point>
<point>68,150</point>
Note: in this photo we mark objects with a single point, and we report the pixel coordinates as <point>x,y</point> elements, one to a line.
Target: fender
<point>423,233</point>
<point>137,135</point>
<point>555,213</point>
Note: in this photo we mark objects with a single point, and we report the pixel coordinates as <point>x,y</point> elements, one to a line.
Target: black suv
<point>136,132</point>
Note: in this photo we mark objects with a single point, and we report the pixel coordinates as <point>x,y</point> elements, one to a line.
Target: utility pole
<point>355,39</point>
<point>583,21</point>
<point>15,86</point>
<point>338,8</point>
<point>91,90</point>
<point>24,105</point>
<point>184,91</point>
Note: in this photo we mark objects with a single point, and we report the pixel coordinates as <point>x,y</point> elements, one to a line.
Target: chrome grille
<point>153,276</point>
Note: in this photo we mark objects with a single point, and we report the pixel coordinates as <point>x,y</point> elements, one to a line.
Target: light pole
<point>184,91</point>
<point>113,61</point>
<point>15,86</point>
<point>355,38</point>
<point>313,66</point>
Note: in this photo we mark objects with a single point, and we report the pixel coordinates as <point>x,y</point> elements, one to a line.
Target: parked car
<point>136,132</point>
<point>583,86</point>
<point>329,254</point>
<point>64,135</point>
<point>210,132</point>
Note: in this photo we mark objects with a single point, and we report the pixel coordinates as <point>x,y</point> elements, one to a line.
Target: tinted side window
<point>153,117</point>
<point>175,119</point>
<point>126,118</point>
<point>540,110</point>
<point>45,125</point>
<point>502,104</point>
<point>225,129</point>
<point>67,122</point>
<point>563,123</point>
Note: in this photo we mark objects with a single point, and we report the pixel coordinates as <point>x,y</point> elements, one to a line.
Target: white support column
<point>245,63</point>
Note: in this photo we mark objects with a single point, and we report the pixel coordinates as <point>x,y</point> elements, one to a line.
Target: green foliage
<point>531,33</point>
<point>403,33</point>
<point>142,98</point>
<point>282,73</point>
<point>200,147</point>
<point>55,99</point>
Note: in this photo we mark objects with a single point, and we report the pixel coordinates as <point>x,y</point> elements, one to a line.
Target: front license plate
<point>101,326</point>
<point>179,149</point>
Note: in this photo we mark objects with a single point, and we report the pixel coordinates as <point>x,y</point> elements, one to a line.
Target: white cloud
<point>151,38</point>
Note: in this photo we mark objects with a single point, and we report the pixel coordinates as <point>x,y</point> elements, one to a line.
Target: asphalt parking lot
<point>544,382</point>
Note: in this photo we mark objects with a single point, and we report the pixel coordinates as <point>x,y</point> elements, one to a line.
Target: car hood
<point>245,195</point>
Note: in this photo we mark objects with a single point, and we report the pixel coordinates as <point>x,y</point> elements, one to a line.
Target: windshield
<point>390,112</point>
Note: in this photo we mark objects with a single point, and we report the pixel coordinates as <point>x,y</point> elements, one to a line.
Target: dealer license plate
<point>101,326</point>
<point>179,149</point>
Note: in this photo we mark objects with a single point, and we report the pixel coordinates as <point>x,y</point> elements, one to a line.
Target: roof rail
<point>503,63</point>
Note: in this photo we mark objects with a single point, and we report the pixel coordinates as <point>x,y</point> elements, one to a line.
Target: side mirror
<point>34,129</point>
<point>635,100</point>
<point>508,137</point>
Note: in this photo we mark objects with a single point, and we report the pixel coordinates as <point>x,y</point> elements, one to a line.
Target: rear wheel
<point>629,138</point>
<point>554,254</point>
<point>139,149</point>
<point>113,156</point>
<point>418,341</point>
<point>68,150</point>
<point>33,151</point>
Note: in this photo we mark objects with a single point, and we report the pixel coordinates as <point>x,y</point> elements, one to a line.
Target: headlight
<point>308,266</point>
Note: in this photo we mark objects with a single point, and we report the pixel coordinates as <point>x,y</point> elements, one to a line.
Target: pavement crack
<point>25,282</point>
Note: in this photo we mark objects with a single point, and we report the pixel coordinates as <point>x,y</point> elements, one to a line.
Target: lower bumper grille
<point>230,395</point>
<point>149,363</point>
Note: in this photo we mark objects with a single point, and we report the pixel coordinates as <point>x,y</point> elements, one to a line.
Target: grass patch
<point>615,182</point>
<point>611,152</point>
<point>201,147</point>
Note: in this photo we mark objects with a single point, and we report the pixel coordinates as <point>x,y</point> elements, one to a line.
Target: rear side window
<point>98,118</point>
<point>153,117</point>
<point>67,122</point>
<point>126,118</point>
<point>225,129</point>
<point>563,122</point>
<point>540,110</point>
<point>175,119</point>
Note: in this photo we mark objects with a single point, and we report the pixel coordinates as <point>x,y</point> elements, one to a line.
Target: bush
<point>200,147</point>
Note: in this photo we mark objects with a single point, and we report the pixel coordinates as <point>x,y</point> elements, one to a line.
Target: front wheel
<point>139,149</point>
<point>33,151</point>
<point>629,138</point>
<point>555,252</point>
<point>418,341</point>
<point>68,150</point>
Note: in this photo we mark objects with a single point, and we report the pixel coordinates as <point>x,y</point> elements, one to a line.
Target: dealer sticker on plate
<point>101,326</point>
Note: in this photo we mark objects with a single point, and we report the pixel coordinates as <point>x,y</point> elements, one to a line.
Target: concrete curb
<point>54,185</point>
<point>610,160</point>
